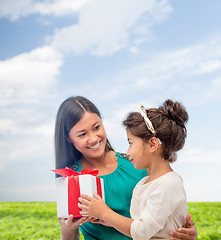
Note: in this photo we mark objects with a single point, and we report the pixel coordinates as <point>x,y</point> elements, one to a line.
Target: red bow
<point>67,172</point>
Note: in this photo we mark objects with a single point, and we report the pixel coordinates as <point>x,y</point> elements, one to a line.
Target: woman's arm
<point>96,207</point>
<point>69,228</point>
<point>188,233</point>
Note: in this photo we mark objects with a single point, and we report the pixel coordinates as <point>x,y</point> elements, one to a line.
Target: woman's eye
<point>82,135</point>
<point>97,127</point>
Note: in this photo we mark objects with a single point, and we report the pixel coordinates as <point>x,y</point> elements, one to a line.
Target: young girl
<point>159,202</point>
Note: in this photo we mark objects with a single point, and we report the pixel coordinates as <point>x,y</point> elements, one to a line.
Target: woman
<point>81,142</point>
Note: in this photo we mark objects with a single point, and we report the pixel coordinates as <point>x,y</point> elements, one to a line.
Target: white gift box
<point>69,189</point>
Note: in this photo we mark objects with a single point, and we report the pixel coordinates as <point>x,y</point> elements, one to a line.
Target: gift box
<point>71,185</point>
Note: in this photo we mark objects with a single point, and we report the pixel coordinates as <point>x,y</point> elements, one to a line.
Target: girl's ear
<point>154,144</point>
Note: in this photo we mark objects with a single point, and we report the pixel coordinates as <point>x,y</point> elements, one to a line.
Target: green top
<point>118,187</point>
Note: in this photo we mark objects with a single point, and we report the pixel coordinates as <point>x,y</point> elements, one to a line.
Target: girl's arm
<point>96,207</point>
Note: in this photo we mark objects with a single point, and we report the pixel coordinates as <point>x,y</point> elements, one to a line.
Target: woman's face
<point>137,151</point>
<point>88,136</point>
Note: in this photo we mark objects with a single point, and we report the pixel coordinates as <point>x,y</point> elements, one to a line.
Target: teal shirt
<point>118,188</point>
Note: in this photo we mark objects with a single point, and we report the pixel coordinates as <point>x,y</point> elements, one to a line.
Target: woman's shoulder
<point>125,164</point>
<point>122,155</point>
<point>123,160</point>
<point>76,166</point>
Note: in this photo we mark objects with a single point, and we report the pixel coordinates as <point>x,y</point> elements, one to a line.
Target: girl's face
<point>137,151</point>
<point>88,136</point>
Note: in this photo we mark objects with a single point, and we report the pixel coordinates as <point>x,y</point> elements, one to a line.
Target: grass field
<point>27,220</point>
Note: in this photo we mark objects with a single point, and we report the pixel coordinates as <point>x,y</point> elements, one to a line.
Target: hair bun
<point>175,111</point>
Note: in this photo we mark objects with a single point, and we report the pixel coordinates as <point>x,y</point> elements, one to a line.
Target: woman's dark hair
<point>169,124</point>
<point>69,114</point>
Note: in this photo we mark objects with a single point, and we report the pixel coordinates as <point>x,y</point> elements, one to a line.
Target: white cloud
<point>203,190</point>
<point>24,78</point>
<point>170,72</point>
<point>14,9</point>
<point>103,26</point>
<point>25,148</point>
<point>200,156</point>
<point>28,83</point>
<point>200,170</point>
<point>168,66</point>
<point>25,125</point>
<point>58,7</point>
<point>106,26</point>
<point>209,66</point>
<point>214,89</point>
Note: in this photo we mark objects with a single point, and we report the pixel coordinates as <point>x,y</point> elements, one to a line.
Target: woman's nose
<point>92,138</point>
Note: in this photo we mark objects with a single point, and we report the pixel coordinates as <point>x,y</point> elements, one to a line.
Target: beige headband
<point>147,121</point>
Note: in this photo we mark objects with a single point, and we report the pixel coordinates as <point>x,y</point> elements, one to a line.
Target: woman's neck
<point>105,164</point>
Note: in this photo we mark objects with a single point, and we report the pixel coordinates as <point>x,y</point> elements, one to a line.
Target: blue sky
<point>119,54</point>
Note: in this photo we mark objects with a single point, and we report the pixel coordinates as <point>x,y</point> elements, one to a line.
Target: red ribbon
<point>67,172</point>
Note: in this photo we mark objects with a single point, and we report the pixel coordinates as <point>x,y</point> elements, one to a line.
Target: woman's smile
<point>96,146</point>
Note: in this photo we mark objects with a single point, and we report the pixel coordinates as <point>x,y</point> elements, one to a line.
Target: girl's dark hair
<point>69,114</point>
<point>169,123</point>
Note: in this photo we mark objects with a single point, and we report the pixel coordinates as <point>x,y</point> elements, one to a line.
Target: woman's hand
<point>69,227</point>
<point>188,233</point>
<point>94,207</point>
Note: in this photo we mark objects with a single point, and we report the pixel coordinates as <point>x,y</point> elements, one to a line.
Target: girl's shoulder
<point>169,182</point>
<point>171,178</point>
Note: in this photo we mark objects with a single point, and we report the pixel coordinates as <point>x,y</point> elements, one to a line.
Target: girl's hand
<point>100,221</point>
<point>94,207</point>
<point>69,227</point>
<point>188,233</point>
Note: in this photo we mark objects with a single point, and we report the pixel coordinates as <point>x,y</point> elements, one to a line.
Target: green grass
<point>207,218</point>
<point>27,220</point>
